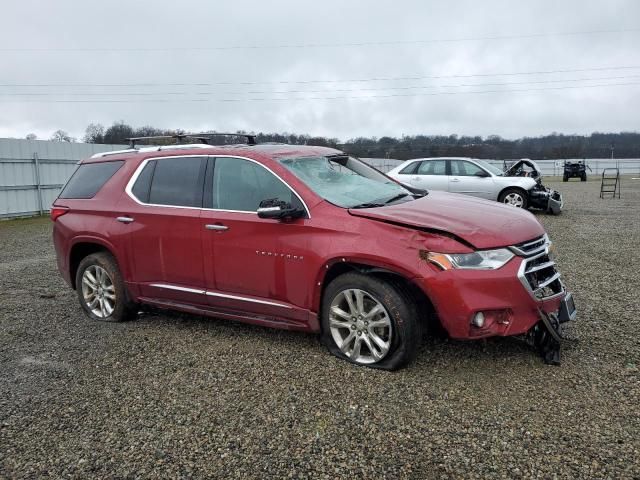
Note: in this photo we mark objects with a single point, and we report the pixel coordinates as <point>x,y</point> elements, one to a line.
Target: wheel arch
<point>514,187</point>
<point>341,266</point>
<point>83,247</point>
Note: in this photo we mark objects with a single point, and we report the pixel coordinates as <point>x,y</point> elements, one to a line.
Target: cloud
<point>183,32</point>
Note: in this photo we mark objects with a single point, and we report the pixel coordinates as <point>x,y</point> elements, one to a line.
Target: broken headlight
<point>480,260</point>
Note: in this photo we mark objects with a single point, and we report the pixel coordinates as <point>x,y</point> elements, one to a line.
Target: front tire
<point>514,197</point>
<point>370,322</point>
<point>101,289</point>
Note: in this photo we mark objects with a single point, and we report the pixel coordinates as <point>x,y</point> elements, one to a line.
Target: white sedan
<point>479,178</point>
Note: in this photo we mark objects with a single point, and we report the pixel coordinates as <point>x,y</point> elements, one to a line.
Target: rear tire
<point>376,324</point>
<point>583,178</point>
<point>515,197</point>
<point>565,178</point>
<point>101,289</point>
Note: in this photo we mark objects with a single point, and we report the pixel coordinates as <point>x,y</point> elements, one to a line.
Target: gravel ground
<point>181,396</point>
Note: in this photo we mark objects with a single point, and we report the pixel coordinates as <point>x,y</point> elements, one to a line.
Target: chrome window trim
<point>212,293</point>
<point>136,174</point>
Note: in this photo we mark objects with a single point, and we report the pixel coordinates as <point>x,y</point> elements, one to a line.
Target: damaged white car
<point>519,185</point>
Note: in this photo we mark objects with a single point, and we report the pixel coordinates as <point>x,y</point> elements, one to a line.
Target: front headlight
<point>480,260</point>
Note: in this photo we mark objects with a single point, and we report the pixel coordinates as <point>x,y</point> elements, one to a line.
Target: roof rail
<point>112,152</point>
<point>201,137</point>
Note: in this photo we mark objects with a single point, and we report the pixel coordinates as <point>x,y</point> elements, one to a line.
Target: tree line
<point>553,146</point>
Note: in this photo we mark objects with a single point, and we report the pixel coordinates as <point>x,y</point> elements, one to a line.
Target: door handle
<point>455,179</point>
<point>217,227</point>
<point>416,178</point>
<point>124,219</point>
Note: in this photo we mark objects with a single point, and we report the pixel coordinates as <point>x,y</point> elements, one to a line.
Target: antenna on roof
<point>201,137</point>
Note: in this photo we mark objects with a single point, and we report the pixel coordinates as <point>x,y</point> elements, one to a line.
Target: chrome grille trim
<point>537,272</point>
<point>531,247</point>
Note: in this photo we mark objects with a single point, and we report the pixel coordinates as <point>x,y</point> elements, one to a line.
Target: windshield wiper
<point>397,197</point>
<point>368,205</point>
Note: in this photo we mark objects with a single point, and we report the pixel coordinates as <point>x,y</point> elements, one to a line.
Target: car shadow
<point>437,347</point>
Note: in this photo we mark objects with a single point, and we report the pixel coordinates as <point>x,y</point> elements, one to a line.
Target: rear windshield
<point>89,178</point>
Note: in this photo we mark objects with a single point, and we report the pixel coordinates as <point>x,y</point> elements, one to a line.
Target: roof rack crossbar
<point>201,137</point>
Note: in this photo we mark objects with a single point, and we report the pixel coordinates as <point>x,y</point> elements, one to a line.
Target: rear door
<point>432,175</point>
<point>162,211</point>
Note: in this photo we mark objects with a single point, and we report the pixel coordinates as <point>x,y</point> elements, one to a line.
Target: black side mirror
<point>481,173</point>
<point>278,210</point>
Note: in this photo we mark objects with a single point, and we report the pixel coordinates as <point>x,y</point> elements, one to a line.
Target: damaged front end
<point>540,197</point>
<point>546,336</point>
<point>545,198</point>
<point>555,305</point>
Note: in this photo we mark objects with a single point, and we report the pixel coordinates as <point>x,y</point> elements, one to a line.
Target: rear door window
<point>177,181</point>
<point>89,178</point>
<point>143,183</point>
<point>433,167</point>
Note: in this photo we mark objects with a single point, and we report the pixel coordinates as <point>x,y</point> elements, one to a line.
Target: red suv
<point>303,238</point>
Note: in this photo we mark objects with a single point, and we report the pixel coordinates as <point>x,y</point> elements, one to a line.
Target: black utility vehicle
<point>575,169</point>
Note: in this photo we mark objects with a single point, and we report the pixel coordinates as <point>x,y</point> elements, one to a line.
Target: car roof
<point>274,151</point>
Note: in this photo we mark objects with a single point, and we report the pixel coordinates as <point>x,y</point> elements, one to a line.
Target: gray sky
<point>76,46</point>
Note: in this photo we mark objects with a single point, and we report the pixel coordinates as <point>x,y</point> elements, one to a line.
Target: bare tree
<point>94,133</point>
<point>61,136</point>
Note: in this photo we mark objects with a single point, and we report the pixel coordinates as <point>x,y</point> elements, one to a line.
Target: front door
<point>253,264</point>
<point>464,178</point>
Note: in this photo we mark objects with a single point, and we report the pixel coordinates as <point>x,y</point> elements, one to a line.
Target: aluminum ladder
<point>610,184</point>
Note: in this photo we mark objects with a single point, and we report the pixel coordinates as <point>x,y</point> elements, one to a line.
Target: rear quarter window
<point>410,169</point>
<point>89,178</point>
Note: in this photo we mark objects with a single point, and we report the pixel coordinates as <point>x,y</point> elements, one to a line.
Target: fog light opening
<point>478,320</point>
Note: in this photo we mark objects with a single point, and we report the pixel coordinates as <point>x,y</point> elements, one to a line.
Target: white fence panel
<point>32,172</point>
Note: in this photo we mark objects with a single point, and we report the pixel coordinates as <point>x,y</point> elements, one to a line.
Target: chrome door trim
<point>136,174</point>
<point>178,288</point>
<point>245,299</point>
<point>217,294</point>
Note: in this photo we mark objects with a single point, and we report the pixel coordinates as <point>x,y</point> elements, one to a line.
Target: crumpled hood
<point>482,223</point>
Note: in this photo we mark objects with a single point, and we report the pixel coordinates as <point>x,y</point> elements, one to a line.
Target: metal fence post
<point>36,165</point>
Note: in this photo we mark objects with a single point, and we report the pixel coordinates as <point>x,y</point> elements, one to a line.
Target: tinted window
<point>433,167</point>
<point>410,169</point>
<point>89,178</point>
<point>143,183</point>
<point>178,181</point>
<point>241,185</point>
<point>464,169</point>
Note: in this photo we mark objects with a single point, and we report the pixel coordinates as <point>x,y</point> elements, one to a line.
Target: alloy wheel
<point>98,291</point>
<point>514,199</point>
<point>360,326</point>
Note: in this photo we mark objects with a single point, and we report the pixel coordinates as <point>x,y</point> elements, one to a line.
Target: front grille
<point>538,271</point>
<point>531,247</point>
<point>542,277</point>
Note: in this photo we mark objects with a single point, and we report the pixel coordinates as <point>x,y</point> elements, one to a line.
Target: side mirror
<point>278,210</point>
<point>482,174</point>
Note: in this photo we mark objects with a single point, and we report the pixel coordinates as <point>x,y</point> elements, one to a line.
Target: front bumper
<point>458,295</point>
<point>546,199</point>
